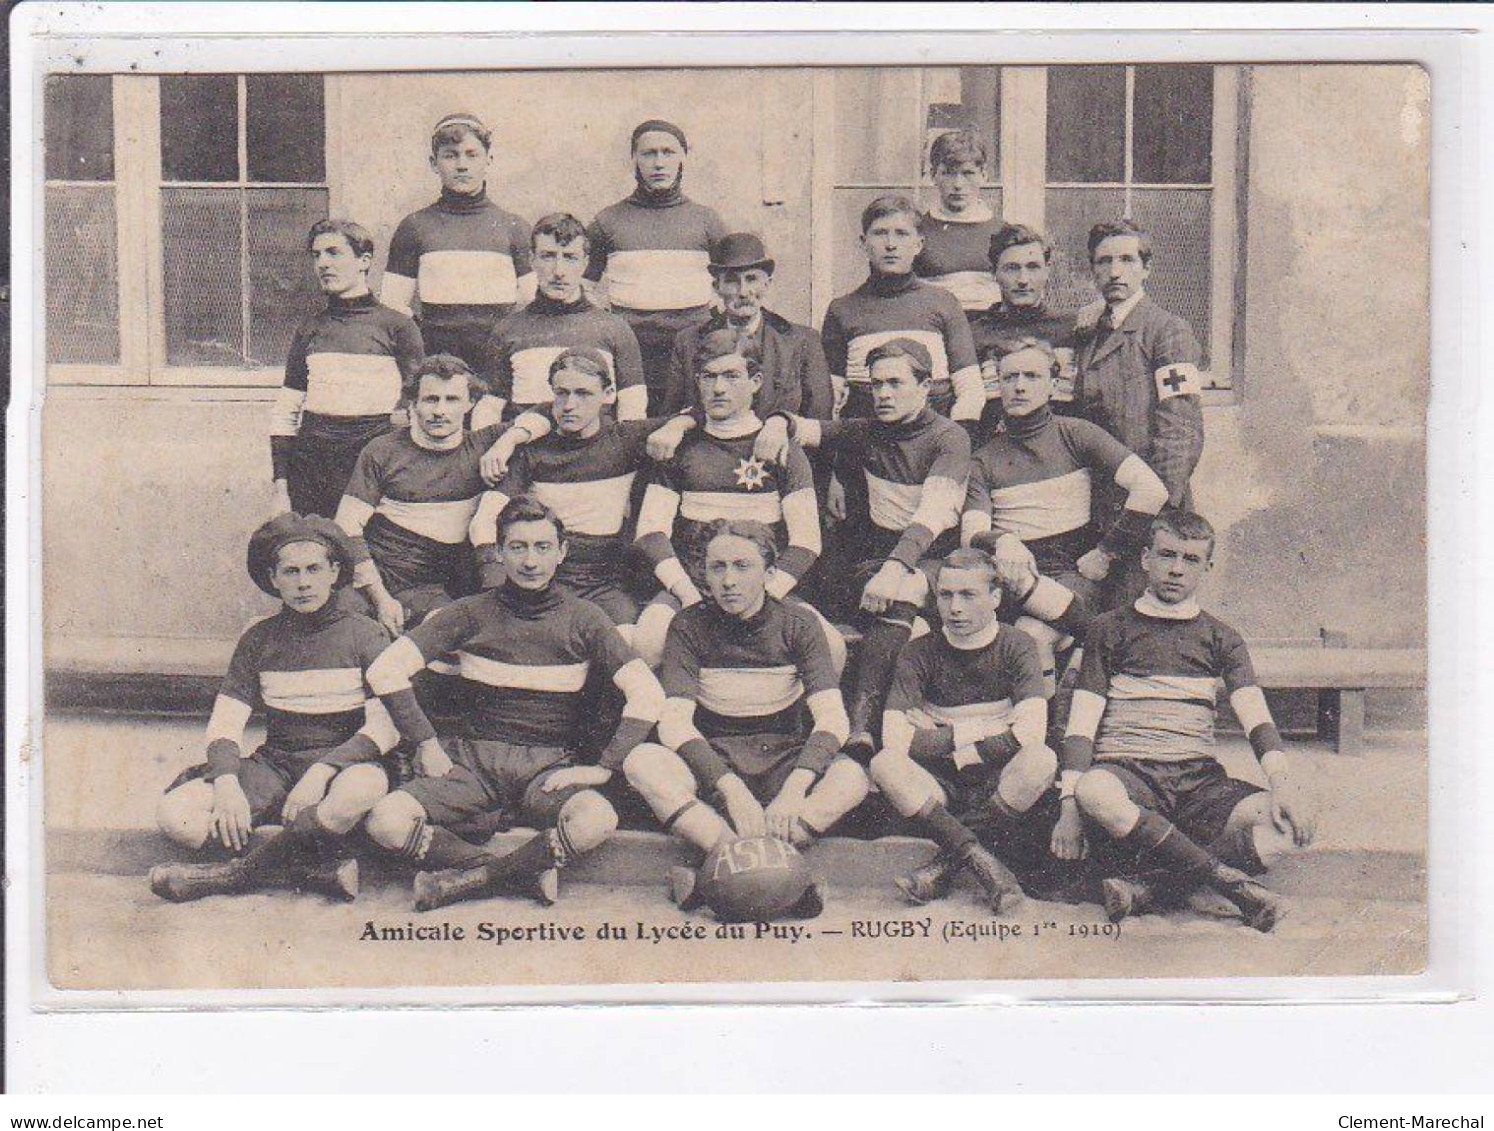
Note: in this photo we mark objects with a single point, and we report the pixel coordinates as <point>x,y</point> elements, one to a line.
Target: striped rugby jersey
<point>465,256</point>
<point>1159,677</point>
<point>999,328</point>
<point>516,358</point>
<point>885,469</point>
<point>344,371</point>
<point>653,256</point>
<point>953,684</point>
<point>896,306</point>
<point>306,672</point>
<point>408,507</point>
<point>526,658</point>
<point>956,256</point>
<point>713,476</point>
<point>1034,479</point>
<point>750,677</point>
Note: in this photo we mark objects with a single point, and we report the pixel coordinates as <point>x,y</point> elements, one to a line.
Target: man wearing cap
<point>795,376</point>
<point>902,477</point>
<point>517,355</point>
<point>465,259</point>
<point>320,768</point>
<point>651,250</point>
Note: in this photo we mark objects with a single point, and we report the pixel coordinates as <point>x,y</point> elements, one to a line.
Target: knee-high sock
<point>294,846</point>
<point>1159,846</point>
<point>879,649</point>
<point>437,849</point>
<point>537,854</point>
<point>951,834</point>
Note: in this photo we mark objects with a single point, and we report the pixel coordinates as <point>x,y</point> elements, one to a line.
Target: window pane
<point>1071,212</point>
<point>199,128</point>
<point>82,276</point>
<point>964,98</point>
<point>282,291</point>
<point>1086,124</point>
<point>79,128</point>
<point>286,127</point>
<point>1172,124</point>
<point>1181,280</point>
<point>876,122</point>
<point>203,293</point>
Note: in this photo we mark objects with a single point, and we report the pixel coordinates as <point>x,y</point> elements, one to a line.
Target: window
<point>243,177</point>
<point>81,230</point>
<point>1076,144</point>
<point>886,121</point>
<point>1134,142</point>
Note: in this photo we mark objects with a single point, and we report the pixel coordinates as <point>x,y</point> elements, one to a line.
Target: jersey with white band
<point>897,306</point>
<point>956,256</point>
<point>653,258</point>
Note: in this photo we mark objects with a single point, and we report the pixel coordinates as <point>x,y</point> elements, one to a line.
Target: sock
<point>1158,844</point>
<point>951,833</point>
<point>292,847</point>
<point>540,852</point>
<point>438,849</point>
<point>879,650</point>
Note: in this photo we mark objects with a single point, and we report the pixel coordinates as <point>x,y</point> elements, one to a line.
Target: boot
<point>546,887</point>
<point>929,881</point>
<point>335,878</point>
<point>452,885</point>
<point>183,882</point>
<point>995,878</point>
<point>1261,907</point>
<point>1126,897</point>
<point>683,888</point>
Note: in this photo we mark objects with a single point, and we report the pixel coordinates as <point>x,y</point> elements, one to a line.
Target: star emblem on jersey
<point>752,473</point>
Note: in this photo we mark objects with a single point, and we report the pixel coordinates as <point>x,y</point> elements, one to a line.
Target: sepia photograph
<point>671,526</point>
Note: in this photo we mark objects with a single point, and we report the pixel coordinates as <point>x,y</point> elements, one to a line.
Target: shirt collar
<point>1119,314</point>
<point>1148,605</point>
<point>974,643</point>
<point>421,440</point>
<point>744,427</point>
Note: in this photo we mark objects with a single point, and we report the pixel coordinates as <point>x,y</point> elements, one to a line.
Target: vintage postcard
<point>661,525</point>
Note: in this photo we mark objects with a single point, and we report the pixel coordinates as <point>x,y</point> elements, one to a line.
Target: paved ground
<point>1356,903</point>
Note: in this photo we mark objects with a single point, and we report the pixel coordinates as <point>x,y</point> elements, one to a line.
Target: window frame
<point>1023,182</point>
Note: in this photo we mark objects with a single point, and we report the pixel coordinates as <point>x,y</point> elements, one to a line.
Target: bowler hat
<point>739,252</point>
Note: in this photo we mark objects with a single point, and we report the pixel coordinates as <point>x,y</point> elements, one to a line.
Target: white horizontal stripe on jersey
<point>975,290</point>
<point>892,505</point>
<point>317,691</point>
<point>997,711</point>
<point>703,506</point>
<point>468,277</point>
<point>441,522</point>
<point>532,372</point>
<point>523,677</point>
<point>659,279</point>
<point>863,344</point>
<point>1043,508</point>
<point>596,507</point>
<point>744,693</point>
<point>1123,686</point>
<point>1157,730</point>
<point>351,384</point>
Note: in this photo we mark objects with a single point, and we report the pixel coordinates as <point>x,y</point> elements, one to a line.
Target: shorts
<point>267,776</point>
<point>490,777</point>
<point>319,464</point>
<point>463,341</point>
<point>966,790</point>
<point>1195,794</point>
<point>763,761</point>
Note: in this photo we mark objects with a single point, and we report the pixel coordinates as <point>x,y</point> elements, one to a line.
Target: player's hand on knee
<point>1094,566</point>
<point>390,614</point>
<point>882,589</point>
<point>431,759</point>
<point>783,812</point>
<point>308,791</point>
<point>835,500</point>
<point>742,809</point>
<point>841,389</point>
<point>231,816</point>
<point>585,777</point>
<point>921,719</point>
<point>1294,811</point>
<point>1068,832</point>
<point>1016,568</point>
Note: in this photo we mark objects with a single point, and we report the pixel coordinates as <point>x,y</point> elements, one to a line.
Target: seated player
<point>957,231</point>
<point>343,375</point>
<point>320,768</point>
<point>901,480</point>
<point>584,472</point>
<point>413,496</point>
<point>895,303</point>
<point>964,730</point>
<point>715,474</point>
<point>1029,506</point>
<point>1022,262</point>
<point>526,650</point>
<point>754,719</point>
<point>1137,757</point>
<point>518,354</point>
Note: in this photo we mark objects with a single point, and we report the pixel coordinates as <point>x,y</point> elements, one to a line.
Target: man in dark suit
<point>795,376</point>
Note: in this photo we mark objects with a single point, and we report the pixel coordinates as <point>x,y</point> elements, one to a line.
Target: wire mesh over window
<point>202,255</point>
<point>82,275</point>
<point>282,291</point>
<point>79,127</point>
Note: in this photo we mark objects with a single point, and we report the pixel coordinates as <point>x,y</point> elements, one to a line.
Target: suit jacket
<point>1123,386</point>
<point>795,376</point>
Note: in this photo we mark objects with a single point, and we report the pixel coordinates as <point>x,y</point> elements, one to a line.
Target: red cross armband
<point>1178,381</point>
